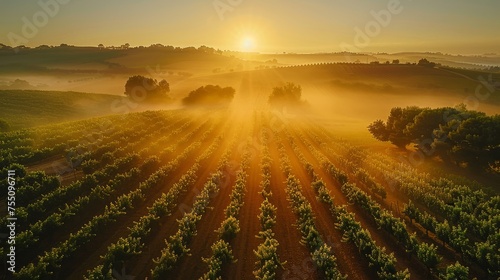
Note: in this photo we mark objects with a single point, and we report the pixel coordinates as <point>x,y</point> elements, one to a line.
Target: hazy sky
<point>450,26</point>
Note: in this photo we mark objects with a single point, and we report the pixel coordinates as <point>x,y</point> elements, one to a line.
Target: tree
<point>206,49</point>
<point>142,88</point>
<point>421,130</point>
<point>287,96</point>
<point>397,121</point>
<point>394,129</point>
<point>456,135</point>
<point>164,86</point>
<point>379,130</point>
<point>426,63</point>
<point>476,141</point>
<point>427,121</point>
<point>210,95</point>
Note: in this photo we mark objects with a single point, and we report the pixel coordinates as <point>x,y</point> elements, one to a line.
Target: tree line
<point>141,88</point>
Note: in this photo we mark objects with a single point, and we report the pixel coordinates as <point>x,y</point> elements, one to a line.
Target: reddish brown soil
<point>394,202</point>
<point>92,258</point>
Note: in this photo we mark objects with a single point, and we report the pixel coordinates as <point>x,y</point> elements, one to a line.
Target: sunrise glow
<point>248,44</point>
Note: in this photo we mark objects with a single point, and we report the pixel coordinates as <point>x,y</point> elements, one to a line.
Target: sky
<point>267,26</point>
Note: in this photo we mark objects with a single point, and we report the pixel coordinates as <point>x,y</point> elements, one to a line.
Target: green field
<point>24,108</point>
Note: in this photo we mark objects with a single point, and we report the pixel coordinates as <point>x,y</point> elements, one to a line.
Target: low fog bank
<point>346,97</point>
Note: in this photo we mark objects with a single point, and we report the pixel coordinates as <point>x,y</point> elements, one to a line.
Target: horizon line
<point>252,52</point>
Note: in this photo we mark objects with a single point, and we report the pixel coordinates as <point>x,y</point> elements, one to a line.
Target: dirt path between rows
<point>90,256</point>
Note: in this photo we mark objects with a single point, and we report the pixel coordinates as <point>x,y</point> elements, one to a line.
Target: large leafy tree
<point>426,63</point>
<point>394,129</point>
<point>143,88</point>
<point>379,130</point>
<point>210,95</point>
<point>287,96</point>
<point>476,140</point>
<point>424,124</point>
<point>422,129</point>
<point>456,135</point>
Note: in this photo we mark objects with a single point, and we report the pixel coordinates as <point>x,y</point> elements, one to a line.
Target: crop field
<point>29,108</point>
<point>249,140</point>
<point>200,195</point>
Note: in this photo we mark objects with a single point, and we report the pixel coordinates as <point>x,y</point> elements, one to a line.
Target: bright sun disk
<point>248,44</point>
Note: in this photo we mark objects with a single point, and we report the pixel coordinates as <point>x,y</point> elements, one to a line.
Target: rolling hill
<point>25,108</point>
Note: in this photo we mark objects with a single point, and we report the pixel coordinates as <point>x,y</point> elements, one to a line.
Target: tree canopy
<point>143,88</point>
<point>426,63</point>
<point>394,129</point>
<point>456,135</point>
<point>287,96</point>
<point>210,95</point>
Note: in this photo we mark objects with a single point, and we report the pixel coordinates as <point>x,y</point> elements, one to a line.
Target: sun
<point>248,44</point>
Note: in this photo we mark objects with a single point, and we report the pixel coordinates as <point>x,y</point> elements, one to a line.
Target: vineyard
<point>212,195</point>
